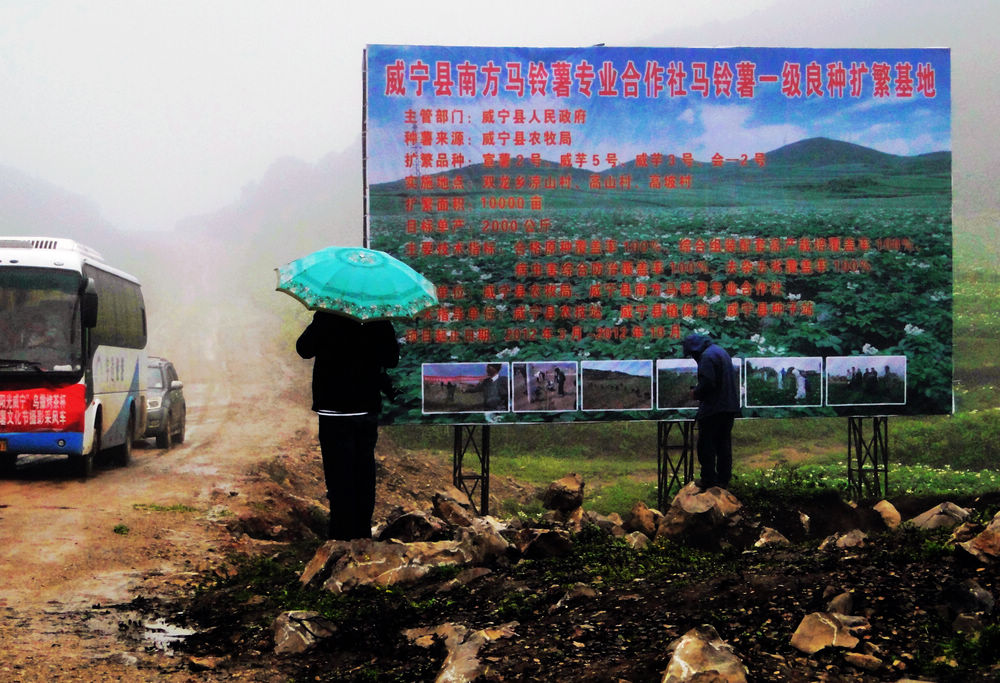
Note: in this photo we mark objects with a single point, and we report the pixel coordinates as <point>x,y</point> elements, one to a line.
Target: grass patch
<point>961,441</point>
<point>156,507</point>
<point>598,558</point>
<point>951,660</point>
<point>941,481</point>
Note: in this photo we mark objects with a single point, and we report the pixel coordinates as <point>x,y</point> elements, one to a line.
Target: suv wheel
<point>165,439</point>
<point>179,433</point>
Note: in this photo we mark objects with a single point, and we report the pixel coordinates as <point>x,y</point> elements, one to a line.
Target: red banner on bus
<point>43,410</point>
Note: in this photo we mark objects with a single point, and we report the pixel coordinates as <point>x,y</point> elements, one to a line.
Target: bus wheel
<point>8,465</point>
<point>123,454</point>
<point>85,465</point>
<point>85,461</point>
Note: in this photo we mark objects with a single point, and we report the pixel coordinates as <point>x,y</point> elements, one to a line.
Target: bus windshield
<point>40,328</point>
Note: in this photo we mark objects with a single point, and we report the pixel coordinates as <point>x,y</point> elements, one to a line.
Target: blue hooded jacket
<point>718,388</point>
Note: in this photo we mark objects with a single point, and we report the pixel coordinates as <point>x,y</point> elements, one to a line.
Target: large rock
<point>297,631</point>
<point>771,537</point>
<point>462,664</point>
<point>943,516</point>
<point>453,506</point>
<point>827,629</point>
<point>968,597</point>
<point>346,564</point>
<point>641,518</point>
<point>541,543</point>
<point>637,540</point>
<point>852,539</point>
<point>415,525</point>
<point>863,661</point>
<point>483,540</point>
<point>572,520</point>
<point>890,515</point>
<point>699,516</point>
<point>699,652</point>
<point>612,523</point>
<point>326,555</point>
<point>386,563</point>
<point>986,546</point>
<point>565,494</point>
<point>842,603</point>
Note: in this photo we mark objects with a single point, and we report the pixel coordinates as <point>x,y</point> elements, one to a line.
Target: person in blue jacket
<point>718,396</point>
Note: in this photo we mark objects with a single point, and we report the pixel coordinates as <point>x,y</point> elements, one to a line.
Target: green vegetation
<point>121,529</point>
<point>156,507</point>
<point>908,479</point>
<point>951,660</point>
<point>599,558</point>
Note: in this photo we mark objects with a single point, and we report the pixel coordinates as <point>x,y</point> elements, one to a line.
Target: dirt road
<point>71,548</point>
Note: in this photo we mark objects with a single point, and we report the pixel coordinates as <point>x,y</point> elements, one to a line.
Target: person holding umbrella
<point>355,292</point>
<point>350,358</point>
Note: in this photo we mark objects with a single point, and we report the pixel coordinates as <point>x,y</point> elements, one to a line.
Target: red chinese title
<point>654,80</point>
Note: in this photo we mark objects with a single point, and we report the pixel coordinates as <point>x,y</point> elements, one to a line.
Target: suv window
<point>154,377</point>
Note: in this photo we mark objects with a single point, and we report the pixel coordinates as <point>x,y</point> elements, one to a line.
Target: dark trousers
<point>715,448</point>
<point>348,446</point>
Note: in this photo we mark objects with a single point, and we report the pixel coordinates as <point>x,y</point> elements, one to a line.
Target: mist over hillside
<point>209,283</point>
<point>32,206</point>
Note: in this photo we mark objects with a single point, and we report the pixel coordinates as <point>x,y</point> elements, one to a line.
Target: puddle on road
<point>132,626</point>
<point>163,635</point>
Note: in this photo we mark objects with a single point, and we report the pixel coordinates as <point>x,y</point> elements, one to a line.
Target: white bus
<point>72,353</point>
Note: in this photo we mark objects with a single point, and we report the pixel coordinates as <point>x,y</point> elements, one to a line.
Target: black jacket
<point>718,389</point>
<point>350,357</point>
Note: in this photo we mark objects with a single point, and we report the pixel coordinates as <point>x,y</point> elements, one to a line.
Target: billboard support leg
<point>674,461</point>
<point>868,458</point>
<point>474,438</point>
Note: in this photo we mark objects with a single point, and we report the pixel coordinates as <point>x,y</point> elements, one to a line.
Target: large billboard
<point>582,210</point>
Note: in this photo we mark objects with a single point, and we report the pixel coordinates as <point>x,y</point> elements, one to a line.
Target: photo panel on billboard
<point>601,203</point>
<point>465,387</point>
<point>866,380</point>
<point>616,385</point>
<point>677,377</point>
<point>545,386</point>
<point>784,382</point>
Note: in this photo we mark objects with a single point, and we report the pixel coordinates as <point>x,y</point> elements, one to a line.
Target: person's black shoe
<point>703,485</point>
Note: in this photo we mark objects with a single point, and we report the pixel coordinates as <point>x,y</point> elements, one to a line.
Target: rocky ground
<point>594,604</point>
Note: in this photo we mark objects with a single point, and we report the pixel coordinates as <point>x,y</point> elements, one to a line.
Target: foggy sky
<point>161,110</point>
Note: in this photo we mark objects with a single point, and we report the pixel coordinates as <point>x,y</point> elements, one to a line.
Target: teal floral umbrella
<point>363,284</point>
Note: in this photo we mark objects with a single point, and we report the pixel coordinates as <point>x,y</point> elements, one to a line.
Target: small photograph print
<point>465,387</point>
<point>865,380</point>
<point>617,384</point>
<point>784,382</point>
<point>676,377</point>
<point>547,386</point>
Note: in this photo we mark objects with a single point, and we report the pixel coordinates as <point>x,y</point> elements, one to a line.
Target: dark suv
<point>165,407</point>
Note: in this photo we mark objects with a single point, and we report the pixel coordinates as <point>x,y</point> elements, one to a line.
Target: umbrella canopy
<point>363,284</point>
